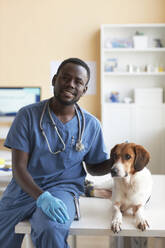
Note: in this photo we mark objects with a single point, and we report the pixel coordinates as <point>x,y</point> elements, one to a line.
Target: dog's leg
<point>92,190</point>
<point>116,218</point>
<point>104,189</point>
<point>102,193</point>
<point>141,222</point>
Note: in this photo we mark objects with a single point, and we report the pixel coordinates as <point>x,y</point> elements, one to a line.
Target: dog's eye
<point>127,156</point>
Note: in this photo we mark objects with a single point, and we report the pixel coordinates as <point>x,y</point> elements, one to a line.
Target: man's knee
<point>40,222</point>
<point>48,233</point>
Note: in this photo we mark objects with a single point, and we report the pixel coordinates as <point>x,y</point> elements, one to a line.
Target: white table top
<point>96,214</point>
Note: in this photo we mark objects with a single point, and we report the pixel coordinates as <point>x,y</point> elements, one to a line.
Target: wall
<point>33,33</point>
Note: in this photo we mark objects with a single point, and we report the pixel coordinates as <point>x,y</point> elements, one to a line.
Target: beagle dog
<point>132,184</point>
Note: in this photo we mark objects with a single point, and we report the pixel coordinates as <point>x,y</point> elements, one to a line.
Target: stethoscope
<point>79,145</point>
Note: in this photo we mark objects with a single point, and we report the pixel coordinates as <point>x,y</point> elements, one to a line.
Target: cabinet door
<point>149,133</point>
<point>117,124</point>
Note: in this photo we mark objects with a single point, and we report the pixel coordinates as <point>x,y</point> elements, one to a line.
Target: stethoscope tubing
<point>79,145</point>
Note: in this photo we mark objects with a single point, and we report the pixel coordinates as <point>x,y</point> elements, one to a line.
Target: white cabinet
<point>149,132</point>
<point>117,123</point>
<point>124,68</point>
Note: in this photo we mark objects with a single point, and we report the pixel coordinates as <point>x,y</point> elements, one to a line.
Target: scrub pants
<point>45,232</point>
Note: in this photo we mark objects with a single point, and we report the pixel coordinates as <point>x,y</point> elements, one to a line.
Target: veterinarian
<point>49,141</point>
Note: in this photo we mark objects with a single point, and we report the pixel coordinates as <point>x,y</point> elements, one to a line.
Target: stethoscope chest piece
<point>79,146</point>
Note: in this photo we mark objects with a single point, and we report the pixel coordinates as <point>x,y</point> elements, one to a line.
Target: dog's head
<point>128,158</point>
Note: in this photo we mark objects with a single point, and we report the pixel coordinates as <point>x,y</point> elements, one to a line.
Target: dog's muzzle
<point>114,172</point>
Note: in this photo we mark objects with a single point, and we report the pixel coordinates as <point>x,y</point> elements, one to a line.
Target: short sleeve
<point>97,152</point>
<point>19,133</point>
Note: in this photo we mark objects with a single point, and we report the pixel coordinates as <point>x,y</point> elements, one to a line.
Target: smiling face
<point>70,83</point>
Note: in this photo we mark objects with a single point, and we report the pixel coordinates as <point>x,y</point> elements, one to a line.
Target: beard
<point>65,102</point>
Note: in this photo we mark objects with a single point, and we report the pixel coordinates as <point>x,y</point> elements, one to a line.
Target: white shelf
<point>134,74</point>
<point>142,123</point>
<point>133,104</point>
<point>154,49</point>
<point>135,25</point>
<point>120,104</point>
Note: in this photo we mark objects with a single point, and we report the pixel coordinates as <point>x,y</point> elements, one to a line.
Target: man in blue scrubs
<point>49,141</point>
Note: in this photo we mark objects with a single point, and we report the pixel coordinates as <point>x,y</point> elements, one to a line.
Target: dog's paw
<point>116,225</point>
<point>142,225</point>
<point>89,188</point>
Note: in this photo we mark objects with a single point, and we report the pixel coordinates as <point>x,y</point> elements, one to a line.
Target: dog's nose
<point>114,172</point>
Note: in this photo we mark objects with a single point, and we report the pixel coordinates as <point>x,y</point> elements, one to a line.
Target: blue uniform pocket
<point>73,154</point>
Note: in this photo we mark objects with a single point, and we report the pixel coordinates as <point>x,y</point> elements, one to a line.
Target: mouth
<point>67,93</point>
<point>119,176</point>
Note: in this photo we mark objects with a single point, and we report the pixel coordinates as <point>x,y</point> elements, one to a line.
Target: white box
<point>140,41</point>
<point>148,96</point>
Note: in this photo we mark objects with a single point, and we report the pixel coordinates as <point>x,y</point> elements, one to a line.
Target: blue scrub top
<point>64,170</point>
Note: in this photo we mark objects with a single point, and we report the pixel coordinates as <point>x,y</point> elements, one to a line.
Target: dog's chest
<point>125,192</point>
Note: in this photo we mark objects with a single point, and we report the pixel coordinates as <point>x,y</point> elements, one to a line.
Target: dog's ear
<point>112,157</point>
<point>142,158</point>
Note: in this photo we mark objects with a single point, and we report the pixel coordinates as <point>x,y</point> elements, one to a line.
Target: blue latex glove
<point>53,207</point>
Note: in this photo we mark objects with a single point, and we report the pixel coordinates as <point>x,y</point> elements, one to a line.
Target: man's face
<point>70,83</point>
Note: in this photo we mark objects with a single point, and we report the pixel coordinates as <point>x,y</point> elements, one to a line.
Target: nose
<point>71,83</point>
<point>114,171</point>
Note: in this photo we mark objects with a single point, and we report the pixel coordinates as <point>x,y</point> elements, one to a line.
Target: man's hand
<point>53,207</point>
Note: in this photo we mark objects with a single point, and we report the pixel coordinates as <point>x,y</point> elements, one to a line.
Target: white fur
<point>128,193</point>
<point>133,189</point>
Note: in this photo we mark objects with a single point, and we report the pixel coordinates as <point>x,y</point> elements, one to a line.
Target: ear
<point>142,158</point>
<point>54,79</point>
<point>113,149</point>
<point>111,154</point>
<point>85,89</point>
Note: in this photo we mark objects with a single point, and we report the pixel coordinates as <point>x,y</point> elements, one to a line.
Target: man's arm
<point>21,174</point>
<point>50,205</point>
<point>100,169</point>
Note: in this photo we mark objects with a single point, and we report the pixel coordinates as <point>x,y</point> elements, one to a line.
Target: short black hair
<point>77,62</point>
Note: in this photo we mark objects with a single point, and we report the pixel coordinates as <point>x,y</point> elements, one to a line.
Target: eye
<point>65,78</point>
<point>79,83</point>
<point>127,156</point>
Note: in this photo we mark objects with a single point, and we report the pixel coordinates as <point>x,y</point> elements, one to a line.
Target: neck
<point>64,112</point>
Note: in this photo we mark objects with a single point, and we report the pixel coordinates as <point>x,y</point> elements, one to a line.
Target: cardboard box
<point>140,41</point>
